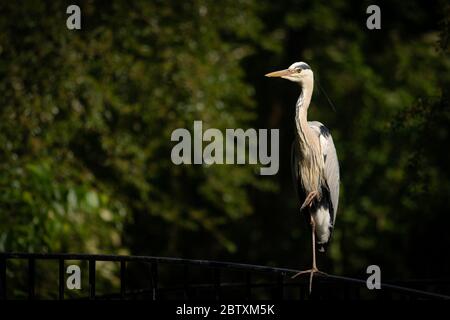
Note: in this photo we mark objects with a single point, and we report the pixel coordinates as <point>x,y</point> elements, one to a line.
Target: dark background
<point>86,118</point>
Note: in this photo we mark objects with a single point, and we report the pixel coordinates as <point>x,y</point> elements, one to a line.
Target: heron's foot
<point>309,199</point>
<point>311,273</point>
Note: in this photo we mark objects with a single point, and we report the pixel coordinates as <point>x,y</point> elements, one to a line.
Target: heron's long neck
<point>301,115</point>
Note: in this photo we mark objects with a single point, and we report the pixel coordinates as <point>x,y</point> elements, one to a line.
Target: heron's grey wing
<point>331,169</point>
<point>332,174</point>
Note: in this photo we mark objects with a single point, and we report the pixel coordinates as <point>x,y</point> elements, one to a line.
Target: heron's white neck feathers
<point>301,115</point>
<point>311,168</point>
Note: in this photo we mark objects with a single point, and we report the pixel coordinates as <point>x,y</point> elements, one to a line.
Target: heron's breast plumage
<point>311,166</point>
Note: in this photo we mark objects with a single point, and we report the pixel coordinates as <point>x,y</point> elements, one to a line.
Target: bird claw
<point>309,199</point>
<point>311,272</point>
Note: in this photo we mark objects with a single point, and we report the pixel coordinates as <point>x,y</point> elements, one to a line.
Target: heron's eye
<point>298,70</point>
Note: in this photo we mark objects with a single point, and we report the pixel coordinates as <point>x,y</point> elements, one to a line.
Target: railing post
<point>280,285</point>
<point>186,281</point>
<point>31,278</point>
<point>248,285</point>
<point>2,278</point>
<point>217,283</point>
<point>61,283</point>
<point>303,291</point>
<point>154,279</point>
<point>91,279</point>
<point>123,284</point>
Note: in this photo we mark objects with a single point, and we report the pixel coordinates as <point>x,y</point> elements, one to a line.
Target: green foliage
<point>40,213</point>
<point>89,116</point>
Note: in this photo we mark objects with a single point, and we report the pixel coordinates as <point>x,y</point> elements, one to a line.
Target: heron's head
<point>297,72</point>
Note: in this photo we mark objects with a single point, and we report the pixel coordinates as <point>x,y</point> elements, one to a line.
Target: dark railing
<point>275,283</point>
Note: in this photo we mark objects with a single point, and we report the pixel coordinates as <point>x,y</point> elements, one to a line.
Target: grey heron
<point>314,164</point>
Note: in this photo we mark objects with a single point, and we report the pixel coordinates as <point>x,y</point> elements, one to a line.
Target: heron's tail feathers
<point>322,247</point>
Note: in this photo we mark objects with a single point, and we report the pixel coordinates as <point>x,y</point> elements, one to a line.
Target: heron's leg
<point>313,238</point>
<point>314,265</point>
<point>309,199</point>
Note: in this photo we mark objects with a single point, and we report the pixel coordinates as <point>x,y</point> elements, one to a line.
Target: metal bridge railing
<point>280,285</point>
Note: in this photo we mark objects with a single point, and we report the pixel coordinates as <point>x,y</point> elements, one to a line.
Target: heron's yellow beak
<point>280,73</point>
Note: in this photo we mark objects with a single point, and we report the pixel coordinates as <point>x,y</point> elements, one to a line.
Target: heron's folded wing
<point>331,169</point>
